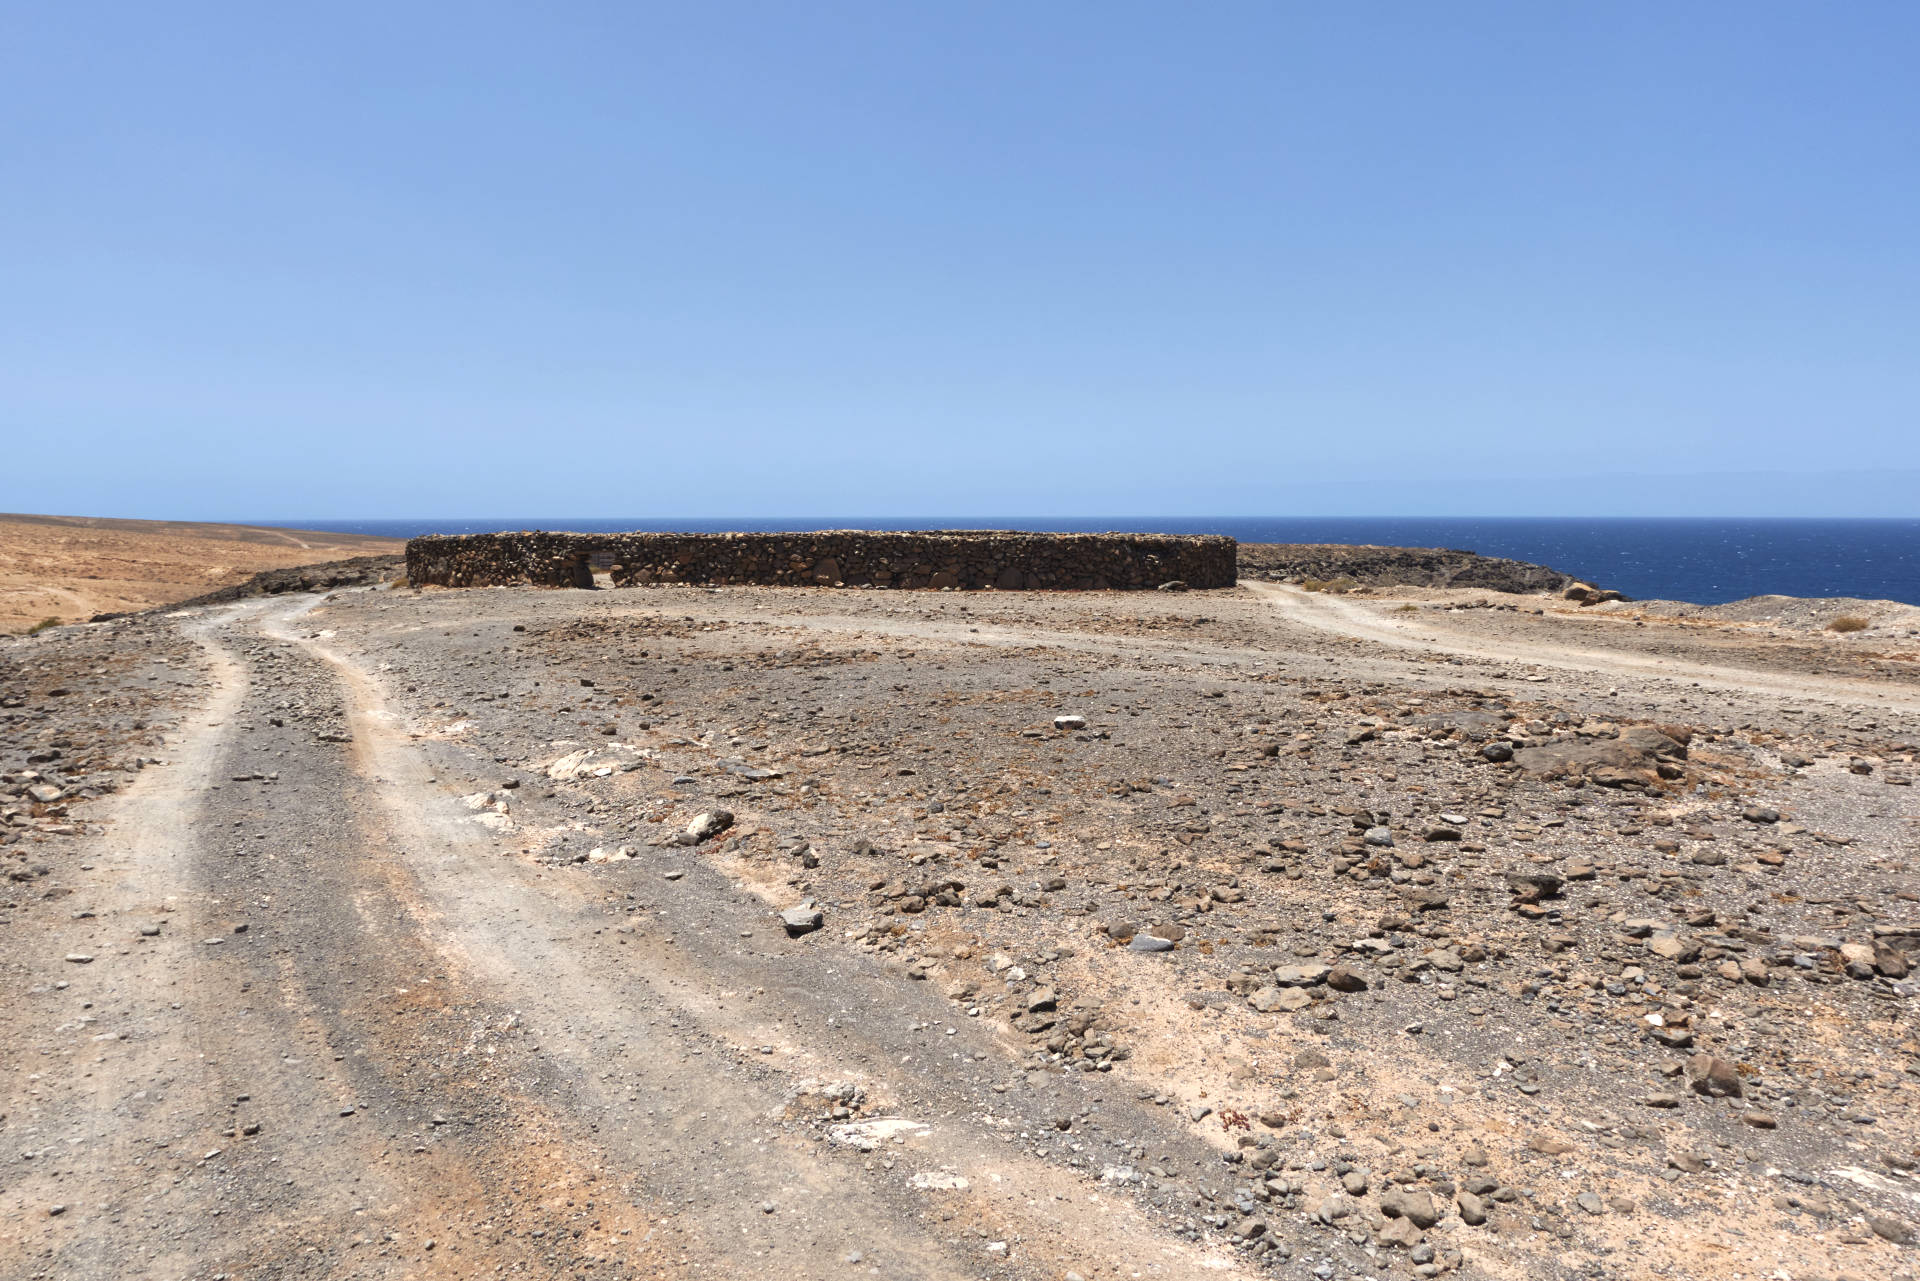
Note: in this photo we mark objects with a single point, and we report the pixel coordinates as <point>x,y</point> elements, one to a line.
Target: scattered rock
<point>1712,1076</point>
<point>708,825</point>
<point>1342,978</point>
<point>1301,975</point>
<point>1534,884</point>
<point>1272,1000</point>
<point>1674,947</point>
<point>1416,1205</point>
<point>803,919</point>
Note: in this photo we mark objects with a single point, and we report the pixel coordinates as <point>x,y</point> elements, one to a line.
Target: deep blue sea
<point>1706,560</point>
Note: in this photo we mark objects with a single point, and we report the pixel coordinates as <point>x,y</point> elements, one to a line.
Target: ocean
<point>1708,560</point>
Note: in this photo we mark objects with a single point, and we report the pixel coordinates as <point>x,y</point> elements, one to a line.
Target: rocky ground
<point>1027,935</point>
<point>1395,566</point>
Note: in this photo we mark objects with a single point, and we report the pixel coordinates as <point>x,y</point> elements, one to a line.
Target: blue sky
<point>264,261</point>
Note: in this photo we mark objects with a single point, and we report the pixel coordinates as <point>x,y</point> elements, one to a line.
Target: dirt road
<point>1378,622</point>
<point>419,1058</point>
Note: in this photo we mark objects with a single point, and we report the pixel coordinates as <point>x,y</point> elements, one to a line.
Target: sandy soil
<point>366,936</point>
<point>73,567</point>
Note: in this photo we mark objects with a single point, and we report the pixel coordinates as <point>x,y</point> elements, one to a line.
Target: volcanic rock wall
<point>838,558</point>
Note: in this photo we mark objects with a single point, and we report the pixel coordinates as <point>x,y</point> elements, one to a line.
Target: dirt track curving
<point>1377,622</point>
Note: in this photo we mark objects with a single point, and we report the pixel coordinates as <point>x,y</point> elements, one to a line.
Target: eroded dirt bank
<point>1231,934</point>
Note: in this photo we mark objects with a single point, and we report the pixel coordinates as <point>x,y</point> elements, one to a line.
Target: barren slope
<point>73,567</point>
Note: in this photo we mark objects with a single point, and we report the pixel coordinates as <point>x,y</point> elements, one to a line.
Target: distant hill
<point>70,568</point>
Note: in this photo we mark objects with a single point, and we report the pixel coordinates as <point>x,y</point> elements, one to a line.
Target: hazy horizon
<point>1839,495</point>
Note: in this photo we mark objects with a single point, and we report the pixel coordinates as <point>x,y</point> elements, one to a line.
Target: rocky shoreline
<point>1371,566</point>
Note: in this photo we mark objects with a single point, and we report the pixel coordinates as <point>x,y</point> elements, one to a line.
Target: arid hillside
<point>70,568</point>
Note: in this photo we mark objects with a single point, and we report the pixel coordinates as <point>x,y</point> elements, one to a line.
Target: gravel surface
<point>793,932</point>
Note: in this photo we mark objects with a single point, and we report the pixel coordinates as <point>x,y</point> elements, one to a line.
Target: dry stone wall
<point>964,559</point>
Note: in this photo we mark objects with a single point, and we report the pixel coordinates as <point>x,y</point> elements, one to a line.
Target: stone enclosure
<point>960,559</point>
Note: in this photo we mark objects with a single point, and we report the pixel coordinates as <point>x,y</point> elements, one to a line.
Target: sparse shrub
<point>1408,609</point>
<point>42,626</point>
<point>1849,623</point>
<point>1333,586</point>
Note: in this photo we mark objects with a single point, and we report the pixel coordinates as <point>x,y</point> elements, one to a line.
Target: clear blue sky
<point>362,260</point>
